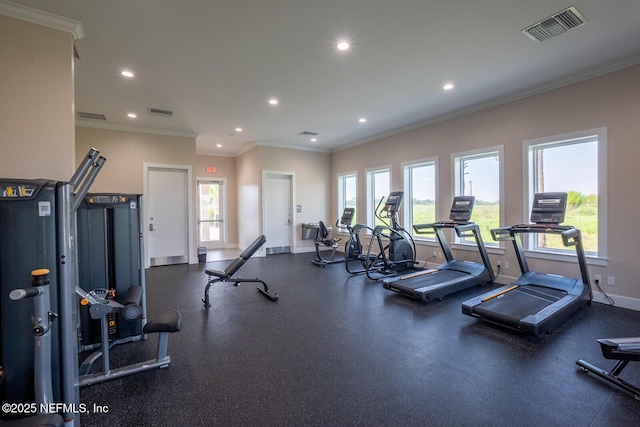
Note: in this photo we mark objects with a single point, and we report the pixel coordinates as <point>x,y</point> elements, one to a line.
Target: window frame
<point>407,185</point>
<point>600,134</point>
<point>457,189</point>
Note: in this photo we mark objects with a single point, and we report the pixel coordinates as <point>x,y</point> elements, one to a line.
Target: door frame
<point>292,213</point>
<point>224,208</point>
<point>191,247</point>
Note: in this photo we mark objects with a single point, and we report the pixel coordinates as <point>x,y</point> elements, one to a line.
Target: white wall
<point>37,124</point>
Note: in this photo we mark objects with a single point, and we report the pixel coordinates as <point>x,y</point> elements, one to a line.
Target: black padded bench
<point>216,276</point>
<point>624,350</point>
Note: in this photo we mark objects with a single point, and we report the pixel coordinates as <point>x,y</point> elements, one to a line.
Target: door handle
<point>150,227</point>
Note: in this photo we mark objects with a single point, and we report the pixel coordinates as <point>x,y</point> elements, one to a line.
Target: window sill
<point>554,256</point>
<point>495,250</point>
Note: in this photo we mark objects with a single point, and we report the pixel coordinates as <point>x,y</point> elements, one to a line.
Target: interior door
<point>278,223</point>
<point>167,216</point>
<point>211,225</point>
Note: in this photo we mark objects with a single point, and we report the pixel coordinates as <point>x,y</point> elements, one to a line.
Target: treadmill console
<point>462,208</point>
<point>548,208</point>
<point>392,205</point>
<point>347,216</point>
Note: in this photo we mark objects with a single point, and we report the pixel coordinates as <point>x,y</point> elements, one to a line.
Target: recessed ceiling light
<point>127,73</point>
<point>343,45</point>
<point>273,101</point>
<point>314,139</point>
<point>448,86</point>
<point>132,115</point>
<point>362,120</point>
<point>219,145</point>
<point>238,129</point>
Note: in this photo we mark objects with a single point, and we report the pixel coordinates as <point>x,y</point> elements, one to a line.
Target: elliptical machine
<point>396,250</point>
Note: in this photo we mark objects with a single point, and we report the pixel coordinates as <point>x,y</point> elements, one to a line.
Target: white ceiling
<point>215,63</point>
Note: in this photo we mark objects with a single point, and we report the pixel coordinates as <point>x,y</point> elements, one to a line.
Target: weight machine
<point>41,216</point>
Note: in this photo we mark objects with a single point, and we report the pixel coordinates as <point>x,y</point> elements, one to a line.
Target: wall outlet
<point>507,265</point>
<point>611,281</point>
<point>597,278</point>
<point>499,264</point>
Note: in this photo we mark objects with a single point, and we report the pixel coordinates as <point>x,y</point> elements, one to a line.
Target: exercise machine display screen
<point>392,205</point>
<point>347,216</point>
<point>548,208</point>
<point>462,208</point>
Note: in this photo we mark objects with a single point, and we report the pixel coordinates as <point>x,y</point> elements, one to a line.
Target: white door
<point>278,221</point>
<point>167,216</point>
<point>211,225</point>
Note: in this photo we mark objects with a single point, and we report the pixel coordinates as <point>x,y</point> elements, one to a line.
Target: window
<point>347,193</point>
<point>479,174</point>
<point>575,164</point>
<point>420,194</point>
<point>377,188</point>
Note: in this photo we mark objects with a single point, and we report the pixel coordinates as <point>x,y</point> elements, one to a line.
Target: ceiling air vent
<point>307,133</point>
<point>160,112</point>
<point>93,116</point>
<point>555,25</point>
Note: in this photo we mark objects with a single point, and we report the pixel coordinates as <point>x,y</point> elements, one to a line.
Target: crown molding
<point>153,131</point>
<point>291,147</point>
<point>39,17</point>
<point>592,73</point>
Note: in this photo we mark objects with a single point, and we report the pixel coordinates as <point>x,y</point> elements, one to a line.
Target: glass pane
<point>571,168</point>
<point>209,211</point>
<point>423,194</point>
<point>480,177</point>
<point>380,190</point>
<point>349,200</point>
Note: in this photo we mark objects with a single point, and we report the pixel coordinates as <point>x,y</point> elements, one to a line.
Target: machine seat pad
<point>216,273</point>
<point>170,322</point>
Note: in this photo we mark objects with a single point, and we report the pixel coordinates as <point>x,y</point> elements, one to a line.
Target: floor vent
<point>555,25</point>
<point>93,116</point>
<point>160,112</point>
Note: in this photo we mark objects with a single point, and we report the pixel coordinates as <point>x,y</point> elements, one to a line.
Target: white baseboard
<point>620,301</point>
<point>305,250</point>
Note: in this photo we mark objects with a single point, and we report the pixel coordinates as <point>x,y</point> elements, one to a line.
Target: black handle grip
<point>18,294</point>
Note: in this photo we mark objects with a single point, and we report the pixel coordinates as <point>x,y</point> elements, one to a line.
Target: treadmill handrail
<point>540,228</point>
<point>424,228</point>
<point>501,234</point>
<point>571,236</point>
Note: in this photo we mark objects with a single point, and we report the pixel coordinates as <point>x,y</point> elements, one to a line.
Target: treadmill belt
<point>510,308</point>
<point>427,280</point>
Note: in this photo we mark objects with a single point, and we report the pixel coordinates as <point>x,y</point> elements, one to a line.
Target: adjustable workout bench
<point>624,350</point>
<point>216,276</point>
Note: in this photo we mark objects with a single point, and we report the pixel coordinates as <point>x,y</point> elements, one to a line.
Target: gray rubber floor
<point>340,350</point>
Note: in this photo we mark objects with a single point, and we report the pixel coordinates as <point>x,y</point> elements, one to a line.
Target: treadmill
<point>624,350</point>
<point>536,303</point>
<point>452,275</point>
